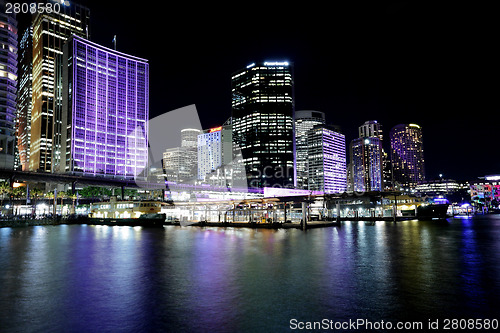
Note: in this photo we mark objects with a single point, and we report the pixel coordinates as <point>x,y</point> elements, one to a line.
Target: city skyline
<point>258,167</point>
<point>380,66</point>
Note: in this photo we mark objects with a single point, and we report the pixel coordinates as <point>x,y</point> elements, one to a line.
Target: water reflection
<point>98,278</point>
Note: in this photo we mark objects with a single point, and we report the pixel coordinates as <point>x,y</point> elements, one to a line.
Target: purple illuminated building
<point>105,111</point>
<point>367,164</point>
<point>326,151</point>
<point>407,155</point>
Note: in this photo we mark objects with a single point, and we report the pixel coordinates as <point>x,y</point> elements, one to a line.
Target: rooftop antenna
<point>114,42</point>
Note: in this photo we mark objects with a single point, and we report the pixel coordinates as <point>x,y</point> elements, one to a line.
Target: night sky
<point>396,62</point>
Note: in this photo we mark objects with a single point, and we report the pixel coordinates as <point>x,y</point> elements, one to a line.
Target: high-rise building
<point>373,128</point>
<point>262,115</point>
<point>189,137</point>
<point>304,121</point>
<point>407,155</point>
<point>214,150</point>
<point>50,32</point>
<point>8,88</point>
<point>370,128</point>
<point>367,158</point>
<point>327,159</point>
<point>105,102</point>
<point>366,164</point>
<point>24,105</point>
<point>180,164</point>
<point>387,171</point>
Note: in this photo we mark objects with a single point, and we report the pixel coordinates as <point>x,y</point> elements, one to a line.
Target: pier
<point>310,225</point>
<point>298,211</point>
<point>301,210</point>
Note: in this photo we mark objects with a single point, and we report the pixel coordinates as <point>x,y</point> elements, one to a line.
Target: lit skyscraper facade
<point>370,128</point>
<point>327,170</point>
<point>407,155</point>
<point>189,137</point>
<point>105,110</point>
<point>24,105</point>
<point>180,164</point>
<point>366,164</point>
<point>214,150</point>
<point>50,33</point>
<point>209,152</point>
<point>263,114</point>
<point>8,88</point>
<point>304,121</point>
<point>189,146</point>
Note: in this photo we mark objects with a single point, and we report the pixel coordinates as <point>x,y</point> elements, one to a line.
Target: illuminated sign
<point>276,63</point>
<point>215,129</point>
<point>414,125</point>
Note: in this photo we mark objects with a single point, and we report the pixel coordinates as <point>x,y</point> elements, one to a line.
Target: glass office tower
<point>367,158</point>
<point>50,33</point>
<point>407,155</point>
<point>304,121</point>
<point>24,105</point>
<point>8,89</point>
<point>367,164</point>
<point>105,110</point>
<point>370,128</point>
<point>263,114</point>
<point>180,164</point>
<point>326,151</point>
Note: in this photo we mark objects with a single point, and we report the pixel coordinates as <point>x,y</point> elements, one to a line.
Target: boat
<point>145,213</point>
<point>432,211</point>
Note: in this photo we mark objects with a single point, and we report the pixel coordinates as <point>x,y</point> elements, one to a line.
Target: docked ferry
<point>130,213</point>
<point>432,211</point>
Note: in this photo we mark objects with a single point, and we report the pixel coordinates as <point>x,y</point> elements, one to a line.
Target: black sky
<point>395,62</point>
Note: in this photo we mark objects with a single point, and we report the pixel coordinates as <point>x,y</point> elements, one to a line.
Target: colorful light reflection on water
<point>98,278</point>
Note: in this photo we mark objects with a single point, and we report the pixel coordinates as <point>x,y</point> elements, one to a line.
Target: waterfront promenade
<point>21,222</point>
<point>24,222</point>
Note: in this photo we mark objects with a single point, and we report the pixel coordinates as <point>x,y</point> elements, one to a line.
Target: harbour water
<point>82,278</point>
